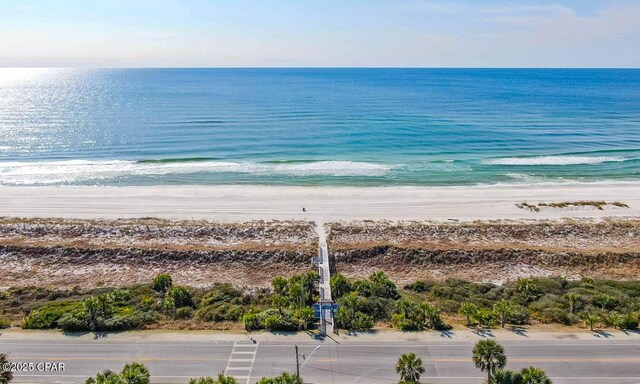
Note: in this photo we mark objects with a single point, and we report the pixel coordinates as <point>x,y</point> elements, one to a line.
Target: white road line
<point>252,361</point>
<point>234,358</point>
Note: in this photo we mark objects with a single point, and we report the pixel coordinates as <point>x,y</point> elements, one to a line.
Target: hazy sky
<point>168,33</point>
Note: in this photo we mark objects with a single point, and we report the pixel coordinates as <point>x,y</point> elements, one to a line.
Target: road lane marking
<point>143,358</point>
<point>242,352</point>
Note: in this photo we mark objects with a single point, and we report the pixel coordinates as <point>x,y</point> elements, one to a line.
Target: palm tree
<point>468,310</point>
<point>221,379</point>
<point>135,373</point>
<point>534,375</point>
<point>489,356</point>
<point>340,286</point>
<point>410,368</point>
<point>202,380</point>
<point>103,302</point>
<point>503,309</point>
<point>405,306</point>
<point>5,376</point>
<point>304,315</point>
<point>106,377</point>
<point>616,319</point>
<point>504,376</point>
<point>590,319</point>
<point>430,312</point>
<point>527,288</point>
<point>572,299</point>
<point>91,307</point>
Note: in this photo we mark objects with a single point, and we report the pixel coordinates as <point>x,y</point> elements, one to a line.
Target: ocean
<point>361,127</point>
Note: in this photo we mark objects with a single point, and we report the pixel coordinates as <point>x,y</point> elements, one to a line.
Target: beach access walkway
<point>324,286</point>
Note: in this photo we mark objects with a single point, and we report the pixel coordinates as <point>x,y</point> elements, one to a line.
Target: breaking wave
<point>78,171</point>
<point>554,160</point>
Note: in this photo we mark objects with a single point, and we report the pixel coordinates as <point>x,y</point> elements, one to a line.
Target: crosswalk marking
<point>238,361</point>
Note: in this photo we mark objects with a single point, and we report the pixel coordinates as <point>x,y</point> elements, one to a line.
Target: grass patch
<point>566,204</point>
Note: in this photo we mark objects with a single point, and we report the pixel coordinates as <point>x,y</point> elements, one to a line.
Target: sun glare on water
<point>21,75</point>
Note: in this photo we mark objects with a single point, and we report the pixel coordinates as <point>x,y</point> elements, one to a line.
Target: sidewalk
<point>377,337</point>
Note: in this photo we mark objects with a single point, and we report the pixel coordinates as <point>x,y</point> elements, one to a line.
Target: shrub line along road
<point>173,358</point>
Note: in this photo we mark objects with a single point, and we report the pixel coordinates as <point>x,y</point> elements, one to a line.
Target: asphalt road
<point>370,361</point>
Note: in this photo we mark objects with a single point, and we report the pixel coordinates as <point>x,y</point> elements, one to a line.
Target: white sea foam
<point>55,172</point>
<point>553,160</point>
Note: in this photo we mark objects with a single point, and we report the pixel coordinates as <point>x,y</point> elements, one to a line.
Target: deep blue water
<point>319,126</point>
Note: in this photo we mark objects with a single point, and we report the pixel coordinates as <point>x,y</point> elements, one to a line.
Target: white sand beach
<point>244,203</point>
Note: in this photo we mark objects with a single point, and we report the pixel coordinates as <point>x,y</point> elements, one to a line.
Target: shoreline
<point>230,203</point>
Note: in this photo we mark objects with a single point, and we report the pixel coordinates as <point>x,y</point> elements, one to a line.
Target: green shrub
<point>180,296</point>
<point>363,288</point>
<point>485,318</point>
<point>272,320</point>
<point>284,378</point>
<point>382,286</point>
<point>555,314</point>
<point>348,318</point>
<point>48,315</point>
<point>147,303</point>
<point>605,301</point>
<point>220,311</point>
<point>222,292</point>
<point>129,321</point>
<point>406,324</point>
<point>340,286</point>
<point>74,322</point>
<point>419,286</point>
<point>120,296</point>
<point>4,323</point>
<point>184,313</point>
<point>251,321</point>
<point>630,322</point>
<point>162,283</point>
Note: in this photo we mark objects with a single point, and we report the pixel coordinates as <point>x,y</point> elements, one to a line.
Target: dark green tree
<point>382,286</point>
<point>528,289</point>
<point>503,310</point>
<point>340,286</point>
<point>468,310</point>
<point>284,378</point>
<point>221,379</point>
<point>106,377</point>
<point>410,368</point>
<point>136,373</point>
<point>162,283</point>
<point>489,356</point>
<point>534,375</point>
<point>180,296</point>
<point>503,376</point>
<point>5,375</point>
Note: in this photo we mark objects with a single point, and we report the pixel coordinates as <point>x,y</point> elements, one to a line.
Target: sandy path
<point>241,203</point>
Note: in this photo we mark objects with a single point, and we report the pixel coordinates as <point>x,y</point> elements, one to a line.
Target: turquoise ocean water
<point>319,126</point>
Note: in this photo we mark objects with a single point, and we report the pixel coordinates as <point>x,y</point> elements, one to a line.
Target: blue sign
<point>333,307</point>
